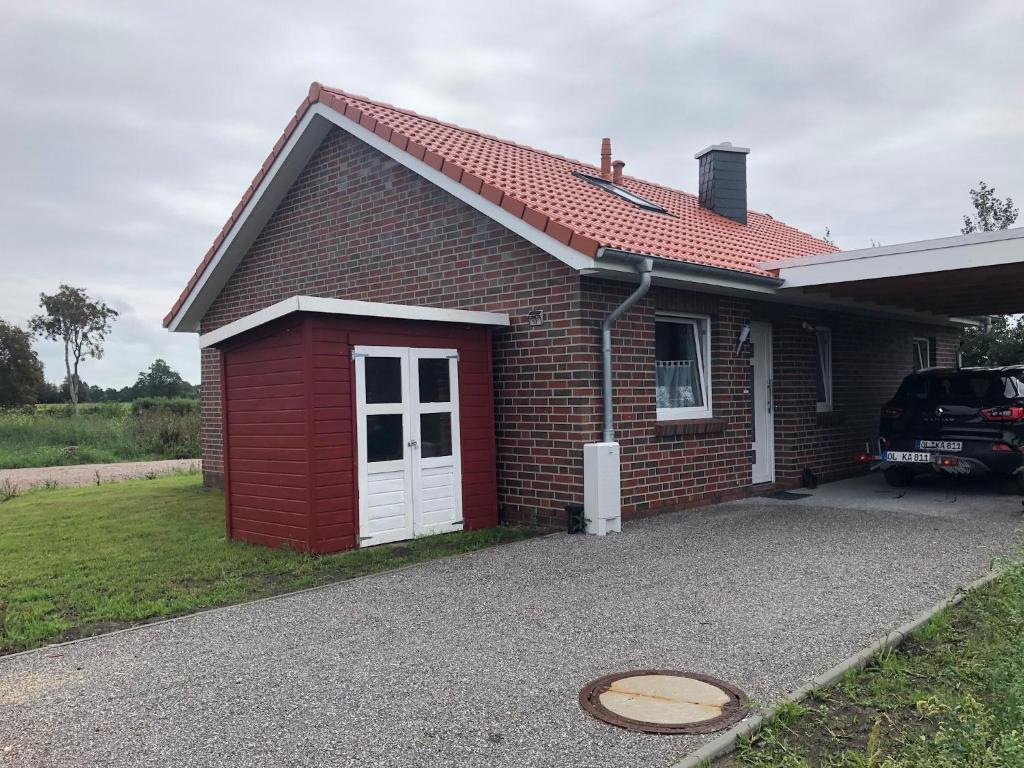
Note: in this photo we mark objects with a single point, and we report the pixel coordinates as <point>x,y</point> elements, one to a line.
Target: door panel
<point>762,407</point>
<point>438,465</point>
<point>382,437</point>
<point>407,433</point>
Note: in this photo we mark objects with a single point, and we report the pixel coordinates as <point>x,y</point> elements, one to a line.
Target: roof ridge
<point>510,142</point>
<point>470,131</point>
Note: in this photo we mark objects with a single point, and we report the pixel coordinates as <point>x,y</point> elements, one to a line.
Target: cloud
<point>128,131</point>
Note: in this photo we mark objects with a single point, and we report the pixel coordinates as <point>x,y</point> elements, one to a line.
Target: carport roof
<point>963,276</point>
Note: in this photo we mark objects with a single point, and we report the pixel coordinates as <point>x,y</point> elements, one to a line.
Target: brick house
<point>401,332</point>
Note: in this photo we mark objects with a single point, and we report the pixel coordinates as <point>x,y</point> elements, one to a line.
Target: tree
<point>50,394</point>
<point>1001,341</point>
<point>81,323</point>
<point>161,381</point>
<point>21,373</point>
<point>990,213</point>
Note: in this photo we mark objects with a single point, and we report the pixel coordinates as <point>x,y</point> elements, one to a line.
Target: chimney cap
<point>725,146</point>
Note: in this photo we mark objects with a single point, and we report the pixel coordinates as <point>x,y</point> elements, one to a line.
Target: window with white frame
<point>823,369</point>
<point>922,353</point>
<point>682,363</point>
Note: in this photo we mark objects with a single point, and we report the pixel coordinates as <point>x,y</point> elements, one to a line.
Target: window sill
<point>686,427</point>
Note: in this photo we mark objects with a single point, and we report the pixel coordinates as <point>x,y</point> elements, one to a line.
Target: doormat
<point>788,495</point>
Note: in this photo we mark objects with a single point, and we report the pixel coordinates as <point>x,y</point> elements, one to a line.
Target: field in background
<point>51,435</point>
<point>78,561</point>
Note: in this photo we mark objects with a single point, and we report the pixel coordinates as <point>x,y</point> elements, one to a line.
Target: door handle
<point>770,384</point>
<point>412,444</point>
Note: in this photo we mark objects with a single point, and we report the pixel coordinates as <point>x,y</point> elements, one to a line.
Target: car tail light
<point>891,412</point>
<point>864,457</point>
<point>949,461</point>
<point>1003,413</point>
<point>1002,448</point>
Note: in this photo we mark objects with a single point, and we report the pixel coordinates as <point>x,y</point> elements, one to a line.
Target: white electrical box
<point>602,505</point>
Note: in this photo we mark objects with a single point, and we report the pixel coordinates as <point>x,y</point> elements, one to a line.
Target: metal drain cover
<point>664,701</point>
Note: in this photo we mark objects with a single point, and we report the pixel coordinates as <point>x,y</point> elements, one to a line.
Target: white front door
<point>763,446</point>
<point>407,435</point>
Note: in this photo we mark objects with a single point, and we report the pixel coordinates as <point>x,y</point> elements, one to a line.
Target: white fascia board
<point>306,138</point>
<point>354,308</point>
<point>293,157</point>
<point>941,255</point>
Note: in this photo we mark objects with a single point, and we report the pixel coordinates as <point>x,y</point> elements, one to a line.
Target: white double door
<point>763,465</point>
<point>407,435</point>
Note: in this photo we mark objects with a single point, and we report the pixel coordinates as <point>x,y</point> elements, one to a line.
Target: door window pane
<point>384,437</point>
<point>383,380</point>
<point>679,368</point>
<point>435,434</point>
<point>435,386</point>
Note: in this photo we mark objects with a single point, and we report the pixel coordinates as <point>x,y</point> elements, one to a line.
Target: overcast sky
<point>128,131</point>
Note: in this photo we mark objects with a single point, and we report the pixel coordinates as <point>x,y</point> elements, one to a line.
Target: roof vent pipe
<point>644,267</point>
<point>606,159</point>
<point>617,172</point>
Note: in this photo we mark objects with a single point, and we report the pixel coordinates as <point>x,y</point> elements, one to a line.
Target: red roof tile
<point>540,188</point>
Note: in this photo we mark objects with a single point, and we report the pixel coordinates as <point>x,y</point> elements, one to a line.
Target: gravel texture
<point>477,660</point>
<point>85,474</point>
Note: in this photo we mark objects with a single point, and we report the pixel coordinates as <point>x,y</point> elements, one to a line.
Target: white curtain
<point>678,384</point>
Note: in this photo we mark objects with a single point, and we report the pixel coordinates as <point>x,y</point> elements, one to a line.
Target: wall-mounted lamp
<point>744,335</point>
<point>808,327</point>
<point>536,317</point>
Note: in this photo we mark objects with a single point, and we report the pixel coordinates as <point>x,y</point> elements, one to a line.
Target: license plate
<point>908,457</point>
<point>940,445</point>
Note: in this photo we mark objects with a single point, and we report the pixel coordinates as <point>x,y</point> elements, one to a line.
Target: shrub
<point>165,431</point>
<point>177,405</point>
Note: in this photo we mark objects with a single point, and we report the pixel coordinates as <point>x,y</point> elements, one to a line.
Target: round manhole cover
<point>664,701</point>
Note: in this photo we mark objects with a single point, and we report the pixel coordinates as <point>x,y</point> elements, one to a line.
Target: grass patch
<point>48,436</point>
<point>952,695</point>
<point>78,561</point>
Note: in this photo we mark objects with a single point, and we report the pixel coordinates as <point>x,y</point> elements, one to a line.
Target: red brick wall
<point>870,358</point>
<point>357,225</point>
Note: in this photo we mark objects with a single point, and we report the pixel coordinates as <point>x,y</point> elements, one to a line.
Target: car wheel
<point>898,477</point>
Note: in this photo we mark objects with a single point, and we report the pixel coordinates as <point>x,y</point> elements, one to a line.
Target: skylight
<point>622,192</point>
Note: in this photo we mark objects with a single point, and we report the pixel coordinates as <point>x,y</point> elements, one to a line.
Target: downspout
<point>644,267</point>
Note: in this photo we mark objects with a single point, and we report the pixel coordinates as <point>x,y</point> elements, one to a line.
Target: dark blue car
<point>957,421</point>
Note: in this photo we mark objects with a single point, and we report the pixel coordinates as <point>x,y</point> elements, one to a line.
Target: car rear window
<point>966,386</point>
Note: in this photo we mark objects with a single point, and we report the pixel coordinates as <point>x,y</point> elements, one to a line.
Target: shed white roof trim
<point>350,307</point>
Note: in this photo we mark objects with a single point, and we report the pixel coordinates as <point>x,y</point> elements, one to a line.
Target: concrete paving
<point>478,660</point>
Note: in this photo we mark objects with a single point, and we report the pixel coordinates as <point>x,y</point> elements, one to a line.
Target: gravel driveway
<point>477,660</point>
<point>86,474</point>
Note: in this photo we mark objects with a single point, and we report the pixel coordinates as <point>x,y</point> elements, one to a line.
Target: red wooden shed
<point>351,423</point>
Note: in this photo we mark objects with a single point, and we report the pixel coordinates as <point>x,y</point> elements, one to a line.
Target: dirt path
<point>86,474</point>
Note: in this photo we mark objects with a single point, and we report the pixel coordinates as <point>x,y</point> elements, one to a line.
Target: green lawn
<point>953,695</point>
<point>79,561</point>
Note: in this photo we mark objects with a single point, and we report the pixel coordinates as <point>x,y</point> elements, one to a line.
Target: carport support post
<point>602,500</point>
